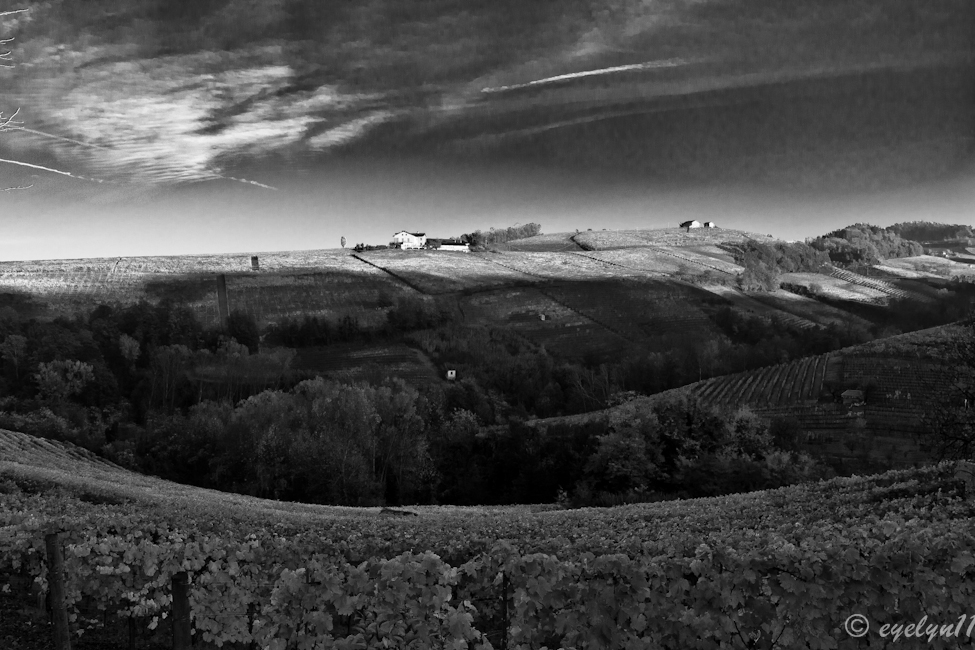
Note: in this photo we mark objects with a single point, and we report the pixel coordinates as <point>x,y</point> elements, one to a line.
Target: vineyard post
<point>504,610</point>
<point>181,612</point>
<point>55,579</point>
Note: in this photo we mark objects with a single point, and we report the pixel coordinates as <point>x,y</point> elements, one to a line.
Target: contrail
<point>244,180</point>
<point>49,169</point>
<point>666,63</point>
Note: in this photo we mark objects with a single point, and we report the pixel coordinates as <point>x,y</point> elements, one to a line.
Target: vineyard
<point>272,297</point>
<point>870,283</point>
<point>635,310</point>
<point>796,383</point>
<point>288,284</point>
<point>759,304</point>
<point>805,308</point>
<point>558,266</point>
<point>776,569</point>
<point>905,382</point>
<point>442,272</point>
<point>519,309</point>
<point>834,287</point>
<point>543,243</point>
<point>609,239</point>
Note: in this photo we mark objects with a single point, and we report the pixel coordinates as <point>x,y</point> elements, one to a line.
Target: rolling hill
<point>901,378</point>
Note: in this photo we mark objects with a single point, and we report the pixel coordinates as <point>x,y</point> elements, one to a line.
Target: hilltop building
<point>454,245</point>
<point>709,224</point>
<point>691,224</point>
<point>409,240</point>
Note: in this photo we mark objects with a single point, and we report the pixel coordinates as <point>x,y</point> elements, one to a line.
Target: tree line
<point>863,244</point>
<point>481,239</point>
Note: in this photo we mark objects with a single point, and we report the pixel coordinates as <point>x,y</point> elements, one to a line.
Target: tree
<point>343,242</point>
<point>14,350</point>
<point>59,380</point>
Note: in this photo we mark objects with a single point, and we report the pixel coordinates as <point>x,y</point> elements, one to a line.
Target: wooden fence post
<point>181,612</point>
<point>55,581</point>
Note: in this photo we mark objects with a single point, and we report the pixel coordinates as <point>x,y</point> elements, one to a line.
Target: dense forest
<point>764,262</point>
<point>147,386</point>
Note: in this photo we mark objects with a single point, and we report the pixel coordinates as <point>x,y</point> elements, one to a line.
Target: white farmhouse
<point>691,224</point>
<point>411,240</point>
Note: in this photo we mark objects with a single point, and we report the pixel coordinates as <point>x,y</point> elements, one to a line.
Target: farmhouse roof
<point>406,232</point>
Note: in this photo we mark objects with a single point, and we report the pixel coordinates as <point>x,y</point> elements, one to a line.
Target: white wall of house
<point>410,239</point>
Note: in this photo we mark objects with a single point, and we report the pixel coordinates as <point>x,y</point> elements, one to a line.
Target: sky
<point>367,201</point>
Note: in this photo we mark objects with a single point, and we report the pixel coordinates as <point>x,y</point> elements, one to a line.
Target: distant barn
<point>709,224</point>
<point>691,224</point>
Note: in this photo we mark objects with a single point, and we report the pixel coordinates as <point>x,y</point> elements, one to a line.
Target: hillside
<point>336,283</point>
<point>404,358</point>
<point>901,377</point>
